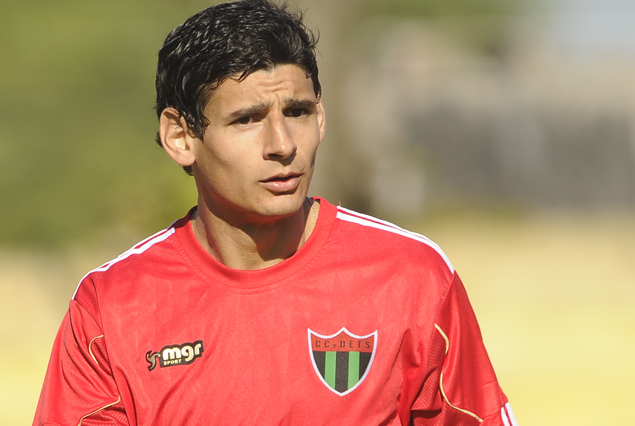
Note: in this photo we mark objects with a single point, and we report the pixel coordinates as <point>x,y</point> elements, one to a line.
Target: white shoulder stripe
<point>364,220</point>
<point>392,225</point>
<point>365,216</point>
<point>136,249</point>
<point>504,416</point>
<point>508,415</point>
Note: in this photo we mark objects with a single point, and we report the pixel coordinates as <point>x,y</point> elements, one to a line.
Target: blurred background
<point>505,131</point>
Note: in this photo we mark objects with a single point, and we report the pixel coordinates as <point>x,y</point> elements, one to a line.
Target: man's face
<point>258,152</point>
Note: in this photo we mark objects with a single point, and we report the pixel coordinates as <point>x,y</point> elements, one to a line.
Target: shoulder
<point>145,258</point>
<point>372,235</point>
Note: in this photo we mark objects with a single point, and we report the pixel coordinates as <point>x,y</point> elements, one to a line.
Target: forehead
<point>280,83</point>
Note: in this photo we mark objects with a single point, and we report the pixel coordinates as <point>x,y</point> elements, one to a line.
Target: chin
<point>284,205</point>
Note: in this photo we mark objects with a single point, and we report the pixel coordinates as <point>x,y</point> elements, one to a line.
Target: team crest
<point>342,360</point>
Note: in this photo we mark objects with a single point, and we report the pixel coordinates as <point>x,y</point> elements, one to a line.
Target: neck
<point>247,245</point>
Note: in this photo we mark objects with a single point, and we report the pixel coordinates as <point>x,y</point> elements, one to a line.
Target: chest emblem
<point>175,355</point>
<point>342,360</point>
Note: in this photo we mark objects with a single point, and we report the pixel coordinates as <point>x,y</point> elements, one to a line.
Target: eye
<point>296,112</point>
<point>243,121</point>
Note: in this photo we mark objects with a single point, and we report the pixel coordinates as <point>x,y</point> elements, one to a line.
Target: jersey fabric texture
<point>366,324</point>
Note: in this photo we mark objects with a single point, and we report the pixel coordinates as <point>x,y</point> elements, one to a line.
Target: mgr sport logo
<point>342,360</point>
<point>175,355</point>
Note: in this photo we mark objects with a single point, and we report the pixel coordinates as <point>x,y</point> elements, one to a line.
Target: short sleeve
<point>461,388</point>
<point>79,388</point>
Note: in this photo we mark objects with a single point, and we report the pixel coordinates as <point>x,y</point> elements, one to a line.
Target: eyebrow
<point>261,106</point>
<point>300,103</point>
<point>246,112</point>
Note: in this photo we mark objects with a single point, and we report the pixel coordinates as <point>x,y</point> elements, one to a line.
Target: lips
<point>283,182</point>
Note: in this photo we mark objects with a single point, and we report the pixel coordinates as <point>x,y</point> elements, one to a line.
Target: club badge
<point>342,360</point>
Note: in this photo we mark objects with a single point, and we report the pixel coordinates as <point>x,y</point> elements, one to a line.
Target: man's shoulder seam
<point>372,222</point>
<point>134,250</point>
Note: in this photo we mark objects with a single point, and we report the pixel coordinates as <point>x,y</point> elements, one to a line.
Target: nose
<point>279,144</point>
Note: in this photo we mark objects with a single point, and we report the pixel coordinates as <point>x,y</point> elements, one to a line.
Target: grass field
<point>554,295</point>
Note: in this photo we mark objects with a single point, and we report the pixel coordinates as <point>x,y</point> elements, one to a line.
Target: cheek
<point>230,171</point>
<point>307,138</point>
<point>212,169</point>
<point>313,142</point>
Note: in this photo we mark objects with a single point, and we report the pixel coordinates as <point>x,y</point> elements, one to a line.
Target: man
<point>263,306</point>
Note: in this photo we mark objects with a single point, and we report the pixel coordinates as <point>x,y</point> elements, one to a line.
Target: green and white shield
<point>342,360</point>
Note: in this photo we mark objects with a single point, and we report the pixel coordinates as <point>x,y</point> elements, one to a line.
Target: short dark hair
<point>235,38</point>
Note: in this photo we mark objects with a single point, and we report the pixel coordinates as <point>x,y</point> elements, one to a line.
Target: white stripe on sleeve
<point>504,416</point>
<point>510,413</point>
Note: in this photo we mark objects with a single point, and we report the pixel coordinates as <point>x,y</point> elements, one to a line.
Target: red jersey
<point>366,324</point>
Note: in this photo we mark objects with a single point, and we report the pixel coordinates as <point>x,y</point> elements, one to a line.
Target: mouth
<point>281,183</point>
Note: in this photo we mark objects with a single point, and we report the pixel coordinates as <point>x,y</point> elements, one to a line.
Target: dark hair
<point>229,39</point>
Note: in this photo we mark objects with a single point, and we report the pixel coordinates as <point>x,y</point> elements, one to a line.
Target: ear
<point>176,138</point>
<point>321,119</point>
